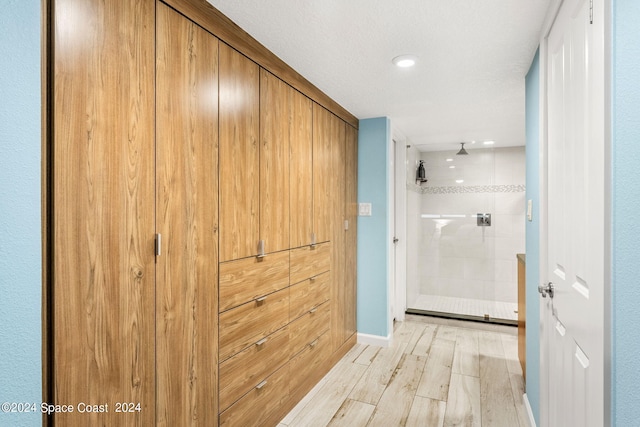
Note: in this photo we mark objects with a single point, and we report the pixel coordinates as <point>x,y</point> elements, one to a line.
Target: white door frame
<point>399,253</point>
<point>545,319</point>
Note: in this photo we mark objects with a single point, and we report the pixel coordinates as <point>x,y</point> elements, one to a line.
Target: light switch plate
<point>364,209</point>
<point>530,210</point>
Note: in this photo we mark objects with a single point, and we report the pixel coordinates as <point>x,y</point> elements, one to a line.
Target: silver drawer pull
<point>261,299</point>
<point>262,341</point>
<point>313,310</point>
<point>314,343</point>
<point>313,279</point>
<point>262,384</point>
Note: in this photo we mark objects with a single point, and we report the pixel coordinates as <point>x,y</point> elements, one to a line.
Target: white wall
<point>456,257</point>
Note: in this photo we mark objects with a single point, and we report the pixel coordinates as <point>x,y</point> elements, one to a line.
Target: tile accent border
<point>461,189</point>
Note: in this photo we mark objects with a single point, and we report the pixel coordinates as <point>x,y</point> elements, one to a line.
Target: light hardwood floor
<point>436,373</point>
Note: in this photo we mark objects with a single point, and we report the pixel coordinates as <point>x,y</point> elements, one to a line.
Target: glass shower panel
<point>452,265</point>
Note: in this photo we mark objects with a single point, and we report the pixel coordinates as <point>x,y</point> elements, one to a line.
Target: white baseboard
<point>532,420</point>
<point>376,340</point>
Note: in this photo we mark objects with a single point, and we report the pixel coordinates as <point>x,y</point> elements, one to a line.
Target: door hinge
<point>591,11</point>
<point>158,244</point>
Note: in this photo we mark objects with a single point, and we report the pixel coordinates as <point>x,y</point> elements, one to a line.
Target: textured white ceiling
<point>468,83</point>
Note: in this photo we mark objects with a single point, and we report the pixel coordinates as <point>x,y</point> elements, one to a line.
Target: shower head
<point>462,150</point>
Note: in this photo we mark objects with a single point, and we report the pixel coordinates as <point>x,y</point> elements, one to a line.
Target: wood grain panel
<point>351,236</point>
<point>309,261</point>
<point>307,328</point>
<point>243,326</point>
<point>301,161</point>
<point>275,101</point>
<point>104,208</point>
<point>246,279</point>
<point>242,372</point>
<point>338,215</point>
<point>308,294</point>
<point>309,360</point>
<point>218,24</point>
<point>187,191</point>
<point>239,155</point>
<point>322,174</point>
<point>260,403</point>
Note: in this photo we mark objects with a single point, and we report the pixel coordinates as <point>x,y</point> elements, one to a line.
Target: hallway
<point>437,373</point>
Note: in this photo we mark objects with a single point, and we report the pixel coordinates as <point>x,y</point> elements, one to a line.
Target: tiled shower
<point>458,265</point>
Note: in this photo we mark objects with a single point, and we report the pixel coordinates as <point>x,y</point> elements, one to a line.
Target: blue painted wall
<point>20,252</point>
<point>533,234</point>
<point>374,136</point>
<point>626,208</point>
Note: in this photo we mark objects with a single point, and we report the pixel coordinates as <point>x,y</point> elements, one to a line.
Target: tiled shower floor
<point>465,308</point>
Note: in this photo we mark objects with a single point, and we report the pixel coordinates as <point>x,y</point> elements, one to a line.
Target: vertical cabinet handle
<point>313,241</point>
<point>261,253</point>
<point>158,244</point>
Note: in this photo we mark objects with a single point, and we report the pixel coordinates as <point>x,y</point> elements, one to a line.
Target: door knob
<point>395,240</point>
<point>546,290</point>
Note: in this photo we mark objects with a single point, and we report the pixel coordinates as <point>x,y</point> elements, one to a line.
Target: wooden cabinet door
<point>187,216</point>
<point>103,193</point>
<point>337,204</point>
<point>275,102</point>
<point>322,174</point>
<point>301,179</point>
<point>239,103</point>
<point>351,236</point>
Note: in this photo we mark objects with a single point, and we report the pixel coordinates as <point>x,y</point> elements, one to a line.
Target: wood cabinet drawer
<point>257,405</point>
<point>246,279</point>
<point>307,328</point>
<point>245,370</point>
<point>311,359</point>
<point>244,325</point>
<point>308,294</point>
<point>310,261</point>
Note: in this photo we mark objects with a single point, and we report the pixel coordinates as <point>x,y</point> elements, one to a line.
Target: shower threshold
<point>502,313</point>
<point>458,316</point>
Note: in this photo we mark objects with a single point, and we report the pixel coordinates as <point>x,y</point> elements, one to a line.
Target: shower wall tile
<point>456,257</point>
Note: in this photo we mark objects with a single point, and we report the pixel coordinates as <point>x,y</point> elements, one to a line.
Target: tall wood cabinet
<point>186,189</point>
<point>102,227</point>
<point>202,220</point>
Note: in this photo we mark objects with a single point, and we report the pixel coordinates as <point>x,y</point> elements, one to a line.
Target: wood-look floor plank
<point>367,355</point>
<point>466,357</point>
<point>352,413</point>
<point>464,402</point>
<point>415,337</point>
<point>396,401</point>
<point>490,344</point>
<point>426,412</point>
<point>423,346</point>
<point>447,333</point>
<point>377,375</point>
<point>434,383</point>
<point>321,408</point>
<point>510,345</point>
<point>355,352</point>
<point>498,406</point>
<point>517,387</point>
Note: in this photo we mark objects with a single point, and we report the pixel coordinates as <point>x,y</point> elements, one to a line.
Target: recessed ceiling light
<point>452,167</point>
<point>459,181</point>
<point>489,142</point>
<point>404,61</point>
<point>473,142</point>
<point>449,160</point>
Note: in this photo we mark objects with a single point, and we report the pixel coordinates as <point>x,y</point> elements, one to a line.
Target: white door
<point>573,320</point>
